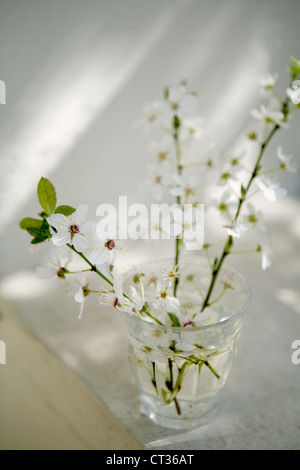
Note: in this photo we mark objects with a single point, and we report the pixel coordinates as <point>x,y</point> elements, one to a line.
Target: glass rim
<point>180,329</point>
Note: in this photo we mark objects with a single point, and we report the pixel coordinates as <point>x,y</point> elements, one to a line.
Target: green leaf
<point>47,195</point>
<point>65,210</point>
<point>294,68</point>
<point>39,239</point>
<point>40,234</point>
<point>174,319</point>
<point>29,223</point>
<point>34,232</point>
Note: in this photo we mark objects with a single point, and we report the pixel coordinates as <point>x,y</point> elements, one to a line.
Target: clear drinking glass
<point>180,371</point>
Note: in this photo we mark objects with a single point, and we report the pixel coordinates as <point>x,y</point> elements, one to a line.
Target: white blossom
<point>266,252</point>
<point>188,318</point>
<point>158,179</point>
<point>268,83</point>
<point>188,225</point>
<point>226,174</point>
<point>287,162</point>
<point>294,92</point>
<point>136,302</point>
<point>113,297</point>
<point>235,162</point>
<point>106,251</point>
<point>182,103</point>
<point>163,298</point>
<point>168,274</point>
<point>152,116</point>
<point>193,127</point>
<point>70,229</point>
<point>161,150</point>
<point>269,116</point>
<point>224,206</point>
<point>234,229</point>
<point>55,271</point>
<point>270,188</point>
<point>252,219</point>
<point>79,289</point>
<point>184,185</point>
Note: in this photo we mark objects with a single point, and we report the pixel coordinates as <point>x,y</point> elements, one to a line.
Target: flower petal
<point>79,216</point>
<point>58,221</point>
<point>61,238</point>
<point>80,242</point>
<point>45,273</point>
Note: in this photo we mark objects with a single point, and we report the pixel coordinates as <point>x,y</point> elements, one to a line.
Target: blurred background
<point>77,75</point>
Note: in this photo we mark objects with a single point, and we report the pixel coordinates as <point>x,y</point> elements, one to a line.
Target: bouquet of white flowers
<point>183,315</point>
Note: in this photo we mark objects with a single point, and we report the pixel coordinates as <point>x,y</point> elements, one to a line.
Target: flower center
<point>223,207</point>
<point>116,301</point>
<point>189,191</point>
<point>225,176</point>
<point>252,219</point>
<point>74,229</point>
<point>162,156</point>
<point>61,273</point>
<point>85,291</point>
<point>110,244</point>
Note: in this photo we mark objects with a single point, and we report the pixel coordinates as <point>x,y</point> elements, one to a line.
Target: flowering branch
<point>244,192</point>
<point>176,126</point>
<point>93,267</point>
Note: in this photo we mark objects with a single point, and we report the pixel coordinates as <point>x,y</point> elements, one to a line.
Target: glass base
<point>191,416</point>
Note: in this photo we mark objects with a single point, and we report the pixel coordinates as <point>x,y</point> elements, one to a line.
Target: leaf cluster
<point>39,228</point>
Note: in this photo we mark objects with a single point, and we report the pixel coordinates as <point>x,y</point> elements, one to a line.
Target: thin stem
<point>229,241</point>
<point>252,195</point>
<point>178,200</point>
<point>208,258</point>
<point>271,170</point>
<point>218,298</point>
<point>216,272</point>
<point>209,366</point>
<point>243,252</point>
<point>145,310</point>
<point>198,289</point>
<point>142,288</point>
<point>93,267</point>
<point>154,377</point>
